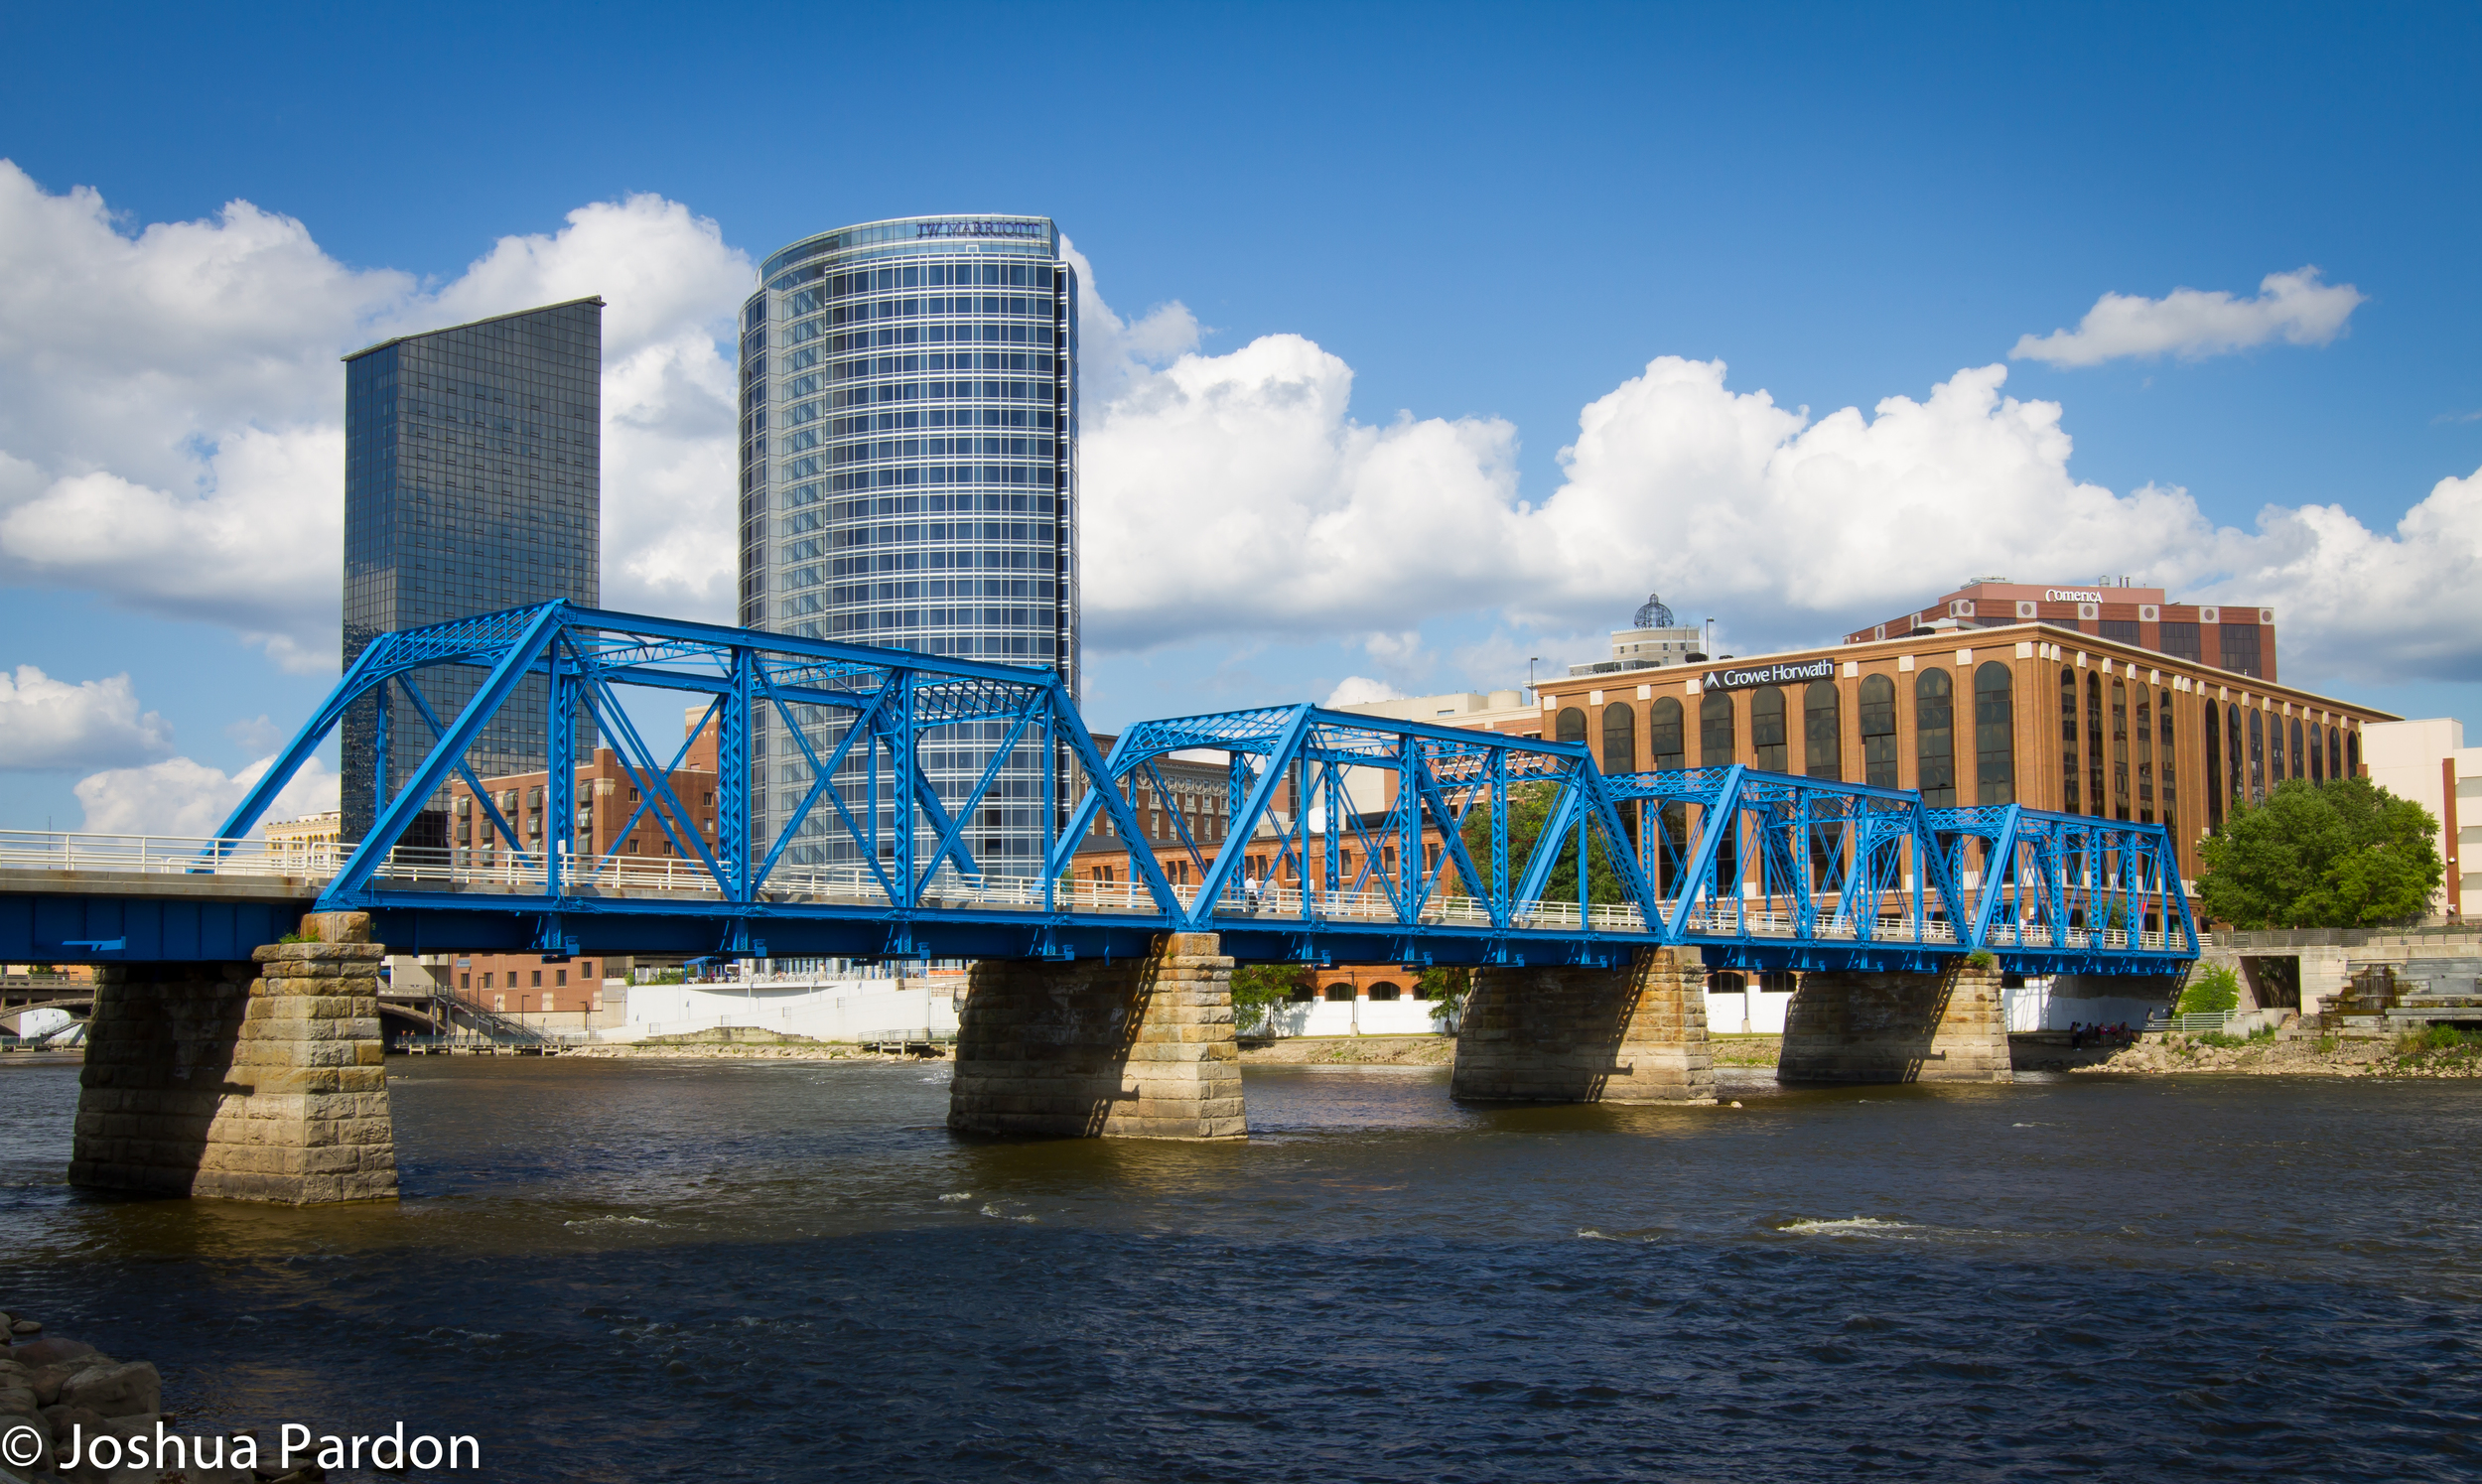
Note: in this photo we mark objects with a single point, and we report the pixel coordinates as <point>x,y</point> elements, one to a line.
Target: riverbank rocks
<point>116,1391</point>
<point>49,1352</point>
<point>260,1081</point>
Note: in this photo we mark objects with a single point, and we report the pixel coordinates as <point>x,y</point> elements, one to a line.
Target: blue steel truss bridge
<point>1758,870</point>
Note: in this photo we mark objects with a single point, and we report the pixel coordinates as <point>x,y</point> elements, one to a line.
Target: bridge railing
<point>162,854</point>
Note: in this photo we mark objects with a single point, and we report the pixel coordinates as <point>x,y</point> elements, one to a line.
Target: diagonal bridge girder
<point>1397,839</point>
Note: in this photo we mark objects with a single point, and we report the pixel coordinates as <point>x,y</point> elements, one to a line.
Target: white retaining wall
<point>1350,1017</point>
<point>1754,1011</point>
<point>2037,1004</point>
<point>833,1009</point>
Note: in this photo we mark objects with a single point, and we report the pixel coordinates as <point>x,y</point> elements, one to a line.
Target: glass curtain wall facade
<point>909,479</point>
<point>472,482</point>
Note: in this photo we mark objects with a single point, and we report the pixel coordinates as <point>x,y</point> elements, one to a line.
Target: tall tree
<point>1529,809</point>
<point>1257,988</point>
<point>2345,852</point>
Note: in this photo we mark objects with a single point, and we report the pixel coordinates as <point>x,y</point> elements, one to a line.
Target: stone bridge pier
<point>1948,1026</point>
<point>1636,1035</point>
<point>246,1081</point>
<point>1138,1048</point>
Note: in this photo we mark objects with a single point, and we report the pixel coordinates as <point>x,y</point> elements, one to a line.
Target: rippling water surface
<point>784,1270</point>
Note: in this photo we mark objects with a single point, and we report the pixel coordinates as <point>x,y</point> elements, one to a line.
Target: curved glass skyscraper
<point>908,475</point>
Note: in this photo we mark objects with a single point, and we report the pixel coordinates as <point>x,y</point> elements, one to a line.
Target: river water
<point>614,1271</point>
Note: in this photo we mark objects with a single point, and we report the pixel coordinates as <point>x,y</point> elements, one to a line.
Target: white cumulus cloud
<point>185,799</point>
<point>57,723</point>
<point>170,402</point>
<point>1237,494</point>
<point>1361,690</point>
<point>2193,324</point>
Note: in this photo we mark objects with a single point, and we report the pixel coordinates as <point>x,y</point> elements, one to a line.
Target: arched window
<point>2171,778</point>
<point>1619,738</point>
<point>1302,995</point>
<point>2120,749</point>
<point>2318,758</point>
<point>2214,767</point>
<point>2145,755</point>
<point>1822,730</point>
<point>1569,725</point>
<point>2296,748</point>
<point>2068,737</point>
<point>1338,993</point>
<point>1934,737</point>
<point>1385,991</point>
<point>2237,753</point>
<point>1767,746</point>
<point>1715,731</point>
<point>1714,750</point>
<point>2257,756</point>
<point>2274,751</point>
<point>1725,982</point>
<point>2098,802</point>
<point>1664,735</point>
<point>2352,754</point>
<point>1995,734</point>
<point>1878,732</point>
<point>2335,754</point>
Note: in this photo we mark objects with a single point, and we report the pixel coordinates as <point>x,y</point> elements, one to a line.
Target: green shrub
<point>1982,958</point>
<point>2219,1038</point>
<point>1258,988</point>
<point>2216,987</point>
<point>2263,1033</point>
<point>1447,988</point>
<point>2326,1045</point>
<point>2443,1038</point>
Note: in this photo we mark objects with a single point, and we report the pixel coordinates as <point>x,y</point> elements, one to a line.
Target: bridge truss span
<point>1347,838</point>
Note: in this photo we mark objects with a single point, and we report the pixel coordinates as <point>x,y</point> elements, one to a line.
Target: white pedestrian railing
<point>497,870</point>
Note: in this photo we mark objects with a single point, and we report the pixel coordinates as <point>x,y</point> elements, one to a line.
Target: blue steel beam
<point>1800,843</point>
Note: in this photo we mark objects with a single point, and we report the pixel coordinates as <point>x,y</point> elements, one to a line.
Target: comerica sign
<point>1741,680</point>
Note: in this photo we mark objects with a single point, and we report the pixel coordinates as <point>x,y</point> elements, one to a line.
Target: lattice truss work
<point>1348,835</point>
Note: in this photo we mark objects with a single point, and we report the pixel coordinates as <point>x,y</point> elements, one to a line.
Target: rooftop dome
<point>1653,614</point>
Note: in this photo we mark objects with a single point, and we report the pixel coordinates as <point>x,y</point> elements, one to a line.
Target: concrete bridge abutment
<point>1854,1027</point>
<point>1134,1049</point>
<point>1635,1034</point>
<point>243,1081</point>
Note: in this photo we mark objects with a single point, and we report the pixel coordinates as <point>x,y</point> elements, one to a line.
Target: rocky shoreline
<point>72,1413</point>
<point>2288,1056</point>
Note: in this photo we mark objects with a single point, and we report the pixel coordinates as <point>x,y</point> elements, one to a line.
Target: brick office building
<point>2241,640</point>
<point>2028,713</point>
<point>611,814</point>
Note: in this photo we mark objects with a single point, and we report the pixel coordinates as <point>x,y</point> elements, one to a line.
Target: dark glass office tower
<point>908,476</point>
<point>472,482</point>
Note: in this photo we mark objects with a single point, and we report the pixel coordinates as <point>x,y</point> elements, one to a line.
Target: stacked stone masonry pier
<point>1636,1035</point>
<point>261,1081</point>
<point>1140,1049</point>
<point>1950,1026</point>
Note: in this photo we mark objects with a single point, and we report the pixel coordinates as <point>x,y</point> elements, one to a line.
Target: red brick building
<point>2225,636</point>
<point>2030,713</point>
<point>613,815</point>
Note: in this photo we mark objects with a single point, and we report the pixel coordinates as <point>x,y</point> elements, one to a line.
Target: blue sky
<point>1495,216</point>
